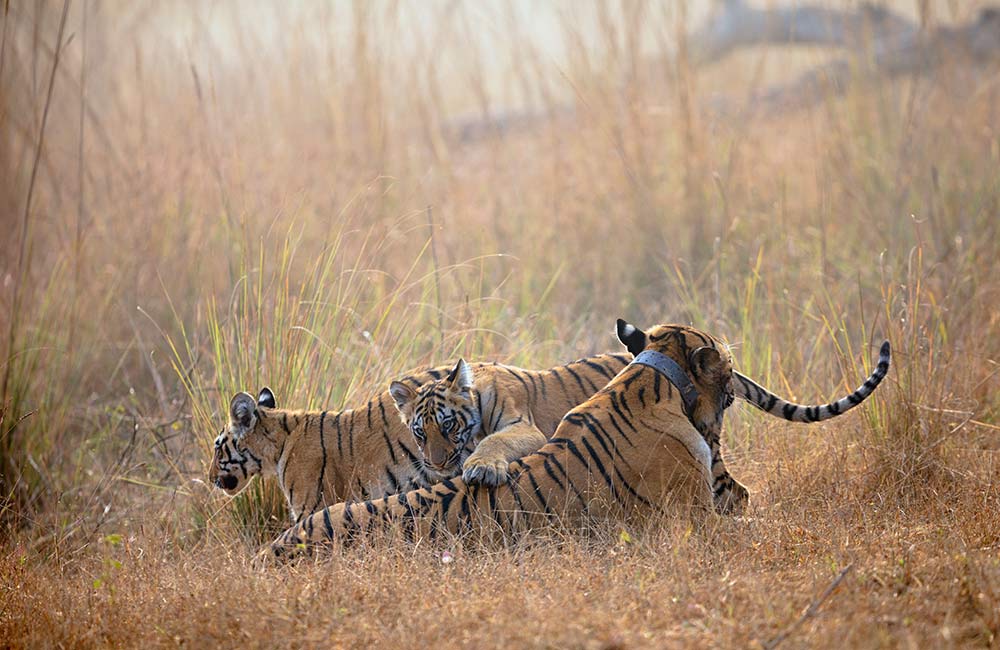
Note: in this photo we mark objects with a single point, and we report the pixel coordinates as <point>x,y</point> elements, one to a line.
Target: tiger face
<point>443,417</point>
<point>242,448</point>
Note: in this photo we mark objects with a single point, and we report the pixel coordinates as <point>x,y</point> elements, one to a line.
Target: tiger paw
<point>286,548</point>
<point>484,471</point>
<point>266,558</point>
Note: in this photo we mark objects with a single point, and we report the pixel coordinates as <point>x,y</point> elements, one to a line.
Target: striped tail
<point>779,408</point>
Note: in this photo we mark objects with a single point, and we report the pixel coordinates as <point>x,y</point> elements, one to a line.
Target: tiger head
<point>705,359</point>
<point>243,446</point>
<point>443,417</point>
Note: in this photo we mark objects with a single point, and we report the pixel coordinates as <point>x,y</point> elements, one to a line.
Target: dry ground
<point>226,196</point>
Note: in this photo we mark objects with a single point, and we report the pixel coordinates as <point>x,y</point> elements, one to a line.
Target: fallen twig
<point>810,611</point>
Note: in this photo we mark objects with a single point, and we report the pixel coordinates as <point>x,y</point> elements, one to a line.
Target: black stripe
<point>413,458</point>
<point>517,498</point>
<point>598,368</point>
<point>388,444</point>
<point>520,380</point>
<point>621,414</point>
<point>589,421</point>
<point>393,481</point>
<point>534,387</point>
<point>493,405</point>
<point>340,438</point>
<point>547,466</point>
<point>601,469</point>
<point>541,382</point>
<point>578,380</point>
<point>322,468</point>
<point>463,508</point>
<point>621,432</point>
<point>445,499</point>
<point>555,461</point>
<point>327,524</point>
<point>562,384</point>
<point>538,491</point>
<point>350,433</point>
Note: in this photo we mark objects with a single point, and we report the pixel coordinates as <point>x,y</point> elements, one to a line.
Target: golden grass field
<point>205,198</point>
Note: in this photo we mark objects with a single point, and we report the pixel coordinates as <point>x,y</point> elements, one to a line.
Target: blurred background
<point>201,198</point>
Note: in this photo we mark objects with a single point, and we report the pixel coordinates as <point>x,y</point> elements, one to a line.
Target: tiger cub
<point>474,421</point>
<point>477,420</point>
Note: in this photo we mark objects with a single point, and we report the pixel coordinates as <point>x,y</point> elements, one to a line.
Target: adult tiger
<point>730,496</point>
<point>322,457</point>
<point>638,440</point>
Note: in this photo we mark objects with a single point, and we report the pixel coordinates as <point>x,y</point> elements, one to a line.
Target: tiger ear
<point>706,362</point>
<point>402,395</point>
<point>241,410</point>
<point>460,380</point>
<point>266,398</point>
<point>633,338</point>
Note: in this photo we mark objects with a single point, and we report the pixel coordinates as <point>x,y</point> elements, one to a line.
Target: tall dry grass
<point>228,196</point>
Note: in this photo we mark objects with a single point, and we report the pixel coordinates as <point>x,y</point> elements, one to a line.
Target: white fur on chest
<point>701,451</point>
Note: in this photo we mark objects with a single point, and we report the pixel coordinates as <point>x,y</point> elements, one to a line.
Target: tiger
<point>730,496</point>
<point>634,448</point>
<point>449,416</point>
<point>322,457</point>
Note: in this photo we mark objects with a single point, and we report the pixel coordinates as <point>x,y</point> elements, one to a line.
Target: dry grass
<point>240,208</point>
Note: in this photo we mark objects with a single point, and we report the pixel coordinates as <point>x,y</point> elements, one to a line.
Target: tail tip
<point>886,350</point>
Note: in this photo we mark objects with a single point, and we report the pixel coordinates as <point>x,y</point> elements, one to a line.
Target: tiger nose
<point>227,482</point>
<point>437,457</point>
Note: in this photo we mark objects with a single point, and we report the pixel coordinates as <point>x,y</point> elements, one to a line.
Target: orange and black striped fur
<point>729,494</point>
<point>322,457</point>
<point>627,450</point>
<point>477,421</point>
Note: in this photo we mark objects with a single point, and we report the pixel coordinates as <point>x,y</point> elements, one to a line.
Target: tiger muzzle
<point>228,482</point>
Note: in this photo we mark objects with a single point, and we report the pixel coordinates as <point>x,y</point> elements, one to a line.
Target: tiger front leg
<point>488,463</point>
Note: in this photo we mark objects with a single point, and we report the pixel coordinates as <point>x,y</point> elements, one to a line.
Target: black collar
<point>669,368</point>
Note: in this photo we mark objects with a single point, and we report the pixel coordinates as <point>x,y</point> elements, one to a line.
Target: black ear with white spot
<point>633,338</point>
<point>460,379</point>
<point>266,398</point>
<point>402,395</point>
<point>241,410</point>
